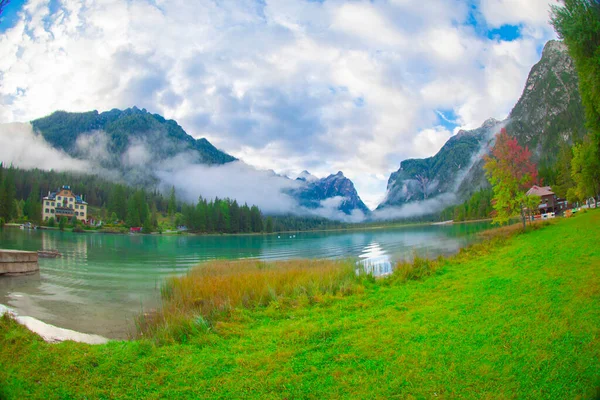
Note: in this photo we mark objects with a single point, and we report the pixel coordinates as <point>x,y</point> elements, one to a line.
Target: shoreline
<point>187,233</point>
<point>51,333</point>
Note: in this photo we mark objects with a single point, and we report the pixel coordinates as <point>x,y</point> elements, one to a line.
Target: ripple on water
<point>102,281</point>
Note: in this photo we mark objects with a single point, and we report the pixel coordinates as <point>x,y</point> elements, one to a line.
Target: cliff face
<point>548,115</point>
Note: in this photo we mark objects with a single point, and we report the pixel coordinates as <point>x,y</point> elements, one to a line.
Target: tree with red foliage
<point>511,173</point>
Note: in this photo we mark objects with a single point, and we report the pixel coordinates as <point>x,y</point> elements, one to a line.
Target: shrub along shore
<point>516,316</point>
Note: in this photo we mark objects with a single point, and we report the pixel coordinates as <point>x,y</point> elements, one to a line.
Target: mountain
<point>548,115</point>
<point>336,190</point>
<point>140,146</point>
<point>306,176</point>
<point>113,137</point>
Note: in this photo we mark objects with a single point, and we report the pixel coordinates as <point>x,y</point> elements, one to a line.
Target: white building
<point>63,203</point>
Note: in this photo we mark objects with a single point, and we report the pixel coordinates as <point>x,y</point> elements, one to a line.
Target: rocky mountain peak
<point>548,114</point>
<point>335,185</point>
<point>306,177</point>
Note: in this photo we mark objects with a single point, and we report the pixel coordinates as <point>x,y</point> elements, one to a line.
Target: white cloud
<point>515,12</point>
<point>338,85</point>
<point>233,180</point>
<point>430,141</point>
<point>21,147</point>
<point>136,155</point>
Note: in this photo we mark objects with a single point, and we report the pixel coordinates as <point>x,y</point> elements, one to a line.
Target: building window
<point>71,199</point>
<point>58,198</point>
<point>47,210</point>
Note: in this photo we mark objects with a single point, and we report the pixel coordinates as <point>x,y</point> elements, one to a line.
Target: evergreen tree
<point>200,214</point>
<point>154,216</point>
<point>564,180</point>
<point>133,213</point>
<point>141,205</point>
<point>245,222</point>
<point>269,223</point>
<point>33,206</point>
<point>224,216</point>
<point>585,169</point>
<point>8,208</point>
<point>172,207</point>
<point>256,219</point>
<point>234,217</point>
<point>117,202</point>
<point>147,228</point>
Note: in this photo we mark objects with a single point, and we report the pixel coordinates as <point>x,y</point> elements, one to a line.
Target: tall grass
<point>211,291</point>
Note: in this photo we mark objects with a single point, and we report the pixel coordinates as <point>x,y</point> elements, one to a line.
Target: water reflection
<point>375,261</point>
<point>103,281</point>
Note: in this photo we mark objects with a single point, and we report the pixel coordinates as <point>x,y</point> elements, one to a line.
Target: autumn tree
<point>511,173</point>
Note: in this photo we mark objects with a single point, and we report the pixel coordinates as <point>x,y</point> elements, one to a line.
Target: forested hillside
<point>117,205</point>
<point>75,133</point>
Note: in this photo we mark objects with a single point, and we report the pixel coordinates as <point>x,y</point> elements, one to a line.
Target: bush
<point>62,223</point>
<point>51,222</point>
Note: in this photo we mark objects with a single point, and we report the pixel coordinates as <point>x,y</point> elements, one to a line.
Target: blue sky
<point>329,85</point>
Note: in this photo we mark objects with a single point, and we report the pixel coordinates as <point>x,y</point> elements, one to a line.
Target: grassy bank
<point>512,318</point>
<point>211,293</point>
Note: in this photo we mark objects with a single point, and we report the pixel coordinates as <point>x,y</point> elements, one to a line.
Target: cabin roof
<point>540,191</point>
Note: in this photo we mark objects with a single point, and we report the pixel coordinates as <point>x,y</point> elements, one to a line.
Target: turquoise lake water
<point>103,281</point>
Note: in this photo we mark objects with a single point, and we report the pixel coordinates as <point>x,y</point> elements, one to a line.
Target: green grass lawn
<point>518,318</point>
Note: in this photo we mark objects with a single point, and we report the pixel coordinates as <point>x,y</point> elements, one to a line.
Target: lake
<point>102,281</point>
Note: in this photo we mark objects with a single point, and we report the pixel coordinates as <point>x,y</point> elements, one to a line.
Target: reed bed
<point>211,291</point>
<point>416,269</point>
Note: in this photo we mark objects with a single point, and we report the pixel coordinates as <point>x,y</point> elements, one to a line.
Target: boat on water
<point>49,253</point>
<point>449,222</point>
<point>27,225</point>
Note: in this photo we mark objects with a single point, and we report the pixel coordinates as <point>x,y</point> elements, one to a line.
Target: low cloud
<point>93,146</point>
<point>416,209</point>
<point>21,147</point>
<point>136,155</point>
<point>234,180</point>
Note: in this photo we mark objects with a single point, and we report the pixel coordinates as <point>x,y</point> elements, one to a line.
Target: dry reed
<point>209,292</point>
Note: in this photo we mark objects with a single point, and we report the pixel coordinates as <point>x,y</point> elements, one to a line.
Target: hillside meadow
<point>517,316</point>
